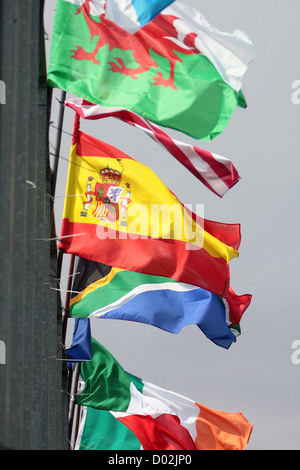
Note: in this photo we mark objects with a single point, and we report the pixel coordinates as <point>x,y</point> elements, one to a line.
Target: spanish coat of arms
<point>107,200</point>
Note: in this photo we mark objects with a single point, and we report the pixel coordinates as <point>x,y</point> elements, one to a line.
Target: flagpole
<point>72,376</point>
<point>61,252</point>
<point>74,410</point>
<point>67,299</point>
<point>77,412</point>
<point>75,378</point>
<point>58,140</point>
<point>72,259</point>
<point>53,190</point>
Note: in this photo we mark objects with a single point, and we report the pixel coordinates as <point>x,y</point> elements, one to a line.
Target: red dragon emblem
<point>160,33</point>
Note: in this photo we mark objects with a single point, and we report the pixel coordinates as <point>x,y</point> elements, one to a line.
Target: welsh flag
<point>177,71</point>
<point>160,419</point>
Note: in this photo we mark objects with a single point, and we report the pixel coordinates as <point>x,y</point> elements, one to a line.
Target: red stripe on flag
<point>230,234</point>
<point>162,433</point>
<point>225,171</point>
<point>164,257</point>
<point>88,146</point>
<point>237,305</point>
<point>218,170</point>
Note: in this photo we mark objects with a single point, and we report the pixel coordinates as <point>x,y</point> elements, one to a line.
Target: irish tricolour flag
<point>160,419</point>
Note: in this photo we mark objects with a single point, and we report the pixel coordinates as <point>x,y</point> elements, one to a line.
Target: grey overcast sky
<point>256,376</point>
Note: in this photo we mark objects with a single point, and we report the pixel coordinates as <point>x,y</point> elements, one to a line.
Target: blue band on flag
<point>80,349</point>
<point>146,10</point>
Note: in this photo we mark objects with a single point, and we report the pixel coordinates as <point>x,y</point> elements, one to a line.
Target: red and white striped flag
<point>215,172</point>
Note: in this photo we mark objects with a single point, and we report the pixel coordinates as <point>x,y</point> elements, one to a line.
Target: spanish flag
<point>118,212</point>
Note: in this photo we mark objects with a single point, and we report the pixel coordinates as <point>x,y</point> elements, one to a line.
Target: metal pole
<point>73,399</point>
<point>73,378</point>
<point>76,424</point>
<point>58,140</point>
<point>67,300</point>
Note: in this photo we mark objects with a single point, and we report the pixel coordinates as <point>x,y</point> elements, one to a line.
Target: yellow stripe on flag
<point>95,285</point>
<point>142,205</point>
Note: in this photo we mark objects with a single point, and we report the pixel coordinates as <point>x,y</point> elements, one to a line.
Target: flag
<point>160,419</point>
<point>134,14</point>
<point>80,349</point>
<point>216,172</point>
<point>118,212</point>
<point>100,430</point>
<point>101,291</point>
<point>160,72</point>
